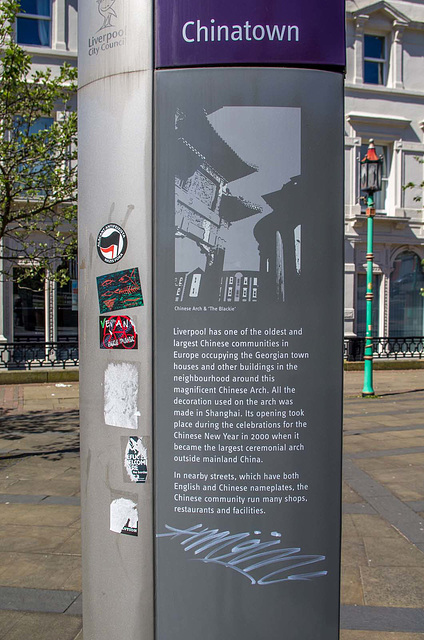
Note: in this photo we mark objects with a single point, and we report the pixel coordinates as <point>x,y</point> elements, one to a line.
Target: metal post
<point>368,389</point>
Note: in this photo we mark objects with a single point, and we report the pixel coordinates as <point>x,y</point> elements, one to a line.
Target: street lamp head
<point>371,170</point>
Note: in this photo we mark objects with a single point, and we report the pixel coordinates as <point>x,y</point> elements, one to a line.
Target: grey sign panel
<point>248,345</point>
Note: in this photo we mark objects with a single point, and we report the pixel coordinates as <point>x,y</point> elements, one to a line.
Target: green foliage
<point>38,171</point>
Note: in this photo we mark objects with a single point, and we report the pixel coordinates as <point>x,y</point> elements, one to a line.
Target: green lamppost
<point>371,170</point>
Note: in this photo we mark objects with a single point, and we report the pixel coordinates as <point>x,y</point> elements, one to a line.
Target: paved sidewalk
<point>40,547</point>
<point>383,511</point>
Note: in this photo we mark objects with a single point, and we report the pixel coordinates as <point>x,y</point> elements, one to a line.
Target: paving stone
<point>395,462</point>
<point>351,592</point>
<point>74,500</point>
<point>361,482</point>
<point>393,586</point>
<point>76,607</point>
<point>417,505</point>
<point>400,516</point>
<point>39,514</point>
<point>406,491</point>
<point>37,539</point>
<point>57,486</point>
<point>376,635</point>
<point>22,471</point>
<point>375,442</point>
<point>348,495</point>
<point>40,571</point>
<point>74,581</point>
<point>382,619</point>
<point>353,552</point>
<point>373,526</point>
<point>396,552</point>
<point>348,527</point>
<point>37,600</point>
<point>6,498</point>
<point>8,619</point>
<point>44,626</point>
<point>361,507</point>
<point>71,545</point>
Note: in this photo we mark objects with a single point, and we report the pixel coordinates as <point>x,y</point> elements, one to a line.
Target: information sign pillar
<point>228,369</point>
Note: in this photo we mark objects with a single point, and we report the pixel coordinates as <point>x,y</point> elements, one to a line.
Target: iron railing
<point>31,354</point>
<point>385,347</point>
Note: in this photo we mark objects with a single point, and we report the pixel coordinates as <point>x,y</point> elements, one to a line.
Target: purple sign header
<point>204,32</point>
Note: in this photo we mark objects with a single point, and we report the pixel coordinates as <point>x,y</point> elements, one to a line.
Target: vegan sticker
<point>117,332</point>
<point>111,243</point>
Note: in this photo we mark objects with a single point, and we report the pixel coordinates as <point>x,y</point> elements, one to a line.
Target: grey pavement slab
<point>39,600</point>
<point>359,507</point>
<point>75,609</point>
<point>388,619</point>
<point>73,500</point>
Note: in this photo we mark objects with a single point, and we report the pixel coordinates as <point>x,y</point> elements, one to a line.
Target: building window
<point>33,23</point>
<point>361,289</point>
<point>67,303</point>
<point>406,303</point>
<point>374,59</point>
<point>28,308</point>
<point>380,196</point>
<point>35,174</point>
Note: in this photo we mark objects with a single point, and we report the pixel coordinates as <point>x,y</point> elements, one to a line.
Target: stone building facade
<point>42,310</point>
<point>385,102</point>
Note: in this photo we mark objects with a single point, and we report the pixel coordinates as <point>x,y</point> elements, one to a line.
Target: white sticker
<point>124,516</point>
<point>121,391</point>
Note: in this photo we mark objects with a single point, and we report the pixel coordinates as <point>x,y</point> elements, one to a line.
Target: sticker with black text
<point>124,516</point>
<point>135,460</point>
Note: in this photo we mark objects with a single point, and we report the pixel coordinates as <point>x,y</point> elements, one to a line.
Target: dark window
<point>406,302</point>
<point>28,308</point>
<point>67,304</point>
<point>33,24</point>
<point>374,59</point>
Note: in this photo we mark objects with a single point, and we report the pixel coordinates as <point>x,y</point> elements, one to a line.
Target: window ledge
<point>381,89</point>
<point>377,120</point>
<point>398,222</point>
<point>48,52</point>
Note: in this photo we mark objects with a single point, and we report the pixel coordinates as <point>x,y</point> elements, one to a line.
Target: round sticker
<point>111,243</point>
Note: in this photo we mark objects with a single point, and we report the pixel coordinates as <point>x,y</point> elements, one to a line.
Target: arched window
<point>406,302</point>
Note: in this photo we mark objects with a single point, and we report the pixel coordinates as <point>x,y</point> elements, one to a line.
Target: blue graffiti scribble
<point>245,554</point>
